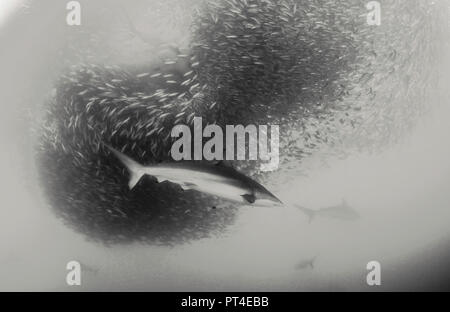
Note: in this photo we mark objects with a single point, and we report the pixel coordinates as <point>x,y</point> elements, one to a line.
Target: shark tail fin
<point>313,261</point>
<point>311,216</point>
<point>135,169</point>
<point>308,212</point>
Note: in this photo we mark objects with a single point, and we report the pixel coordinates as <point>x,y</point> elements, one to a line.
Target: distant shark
<point>342,211</point>
<point>214,179</point>
<point>306,263</point>
<point>88,268</point>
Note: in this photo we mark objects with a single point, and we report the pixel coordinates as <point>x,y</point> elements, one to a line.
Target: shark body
<point>214,179</point>
<point>306,263</point>
<point>89,268</point>
<point>342,211</point>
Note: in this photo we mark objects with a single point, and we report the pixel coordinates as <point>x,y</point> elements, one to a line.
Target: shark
<point>342,211</point>
<point>214,179</point>
<point>89,268</point>
<point>306,263</point>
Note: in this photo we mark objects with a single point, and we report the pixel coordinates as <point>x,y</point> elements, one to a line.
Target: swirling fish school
<point>213,148</point>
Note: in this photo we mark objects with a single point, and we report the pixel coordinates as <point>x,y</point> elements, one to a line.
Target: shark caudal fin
<point>308,212</point>
<point>313,261</point>
<point>135,169</point>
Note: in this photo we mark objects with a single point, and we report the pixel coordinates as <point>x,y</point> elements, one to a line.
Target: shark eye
<point>250,198</point>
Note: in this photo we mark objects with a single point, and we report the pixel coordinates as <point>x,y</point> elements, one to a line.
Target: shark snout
<point>267,200</point>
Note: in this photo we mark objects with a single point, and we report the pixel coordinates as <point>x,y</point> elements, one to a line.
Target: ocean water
<point>400,190</point>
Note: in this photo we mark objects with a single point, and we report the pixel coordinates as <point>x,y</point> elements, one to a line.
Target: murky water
<point>400,191</point>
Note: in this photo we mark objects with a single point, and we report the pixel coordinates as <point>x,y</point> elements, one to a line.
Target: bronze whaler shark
<point>214,179</point>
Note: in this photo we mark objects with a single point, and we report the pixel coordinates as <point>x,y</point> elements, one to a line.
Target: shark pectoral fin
<point>224,163</point>
<point>159,179</point>
<point>250,198</point>
<point>188,186</point>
